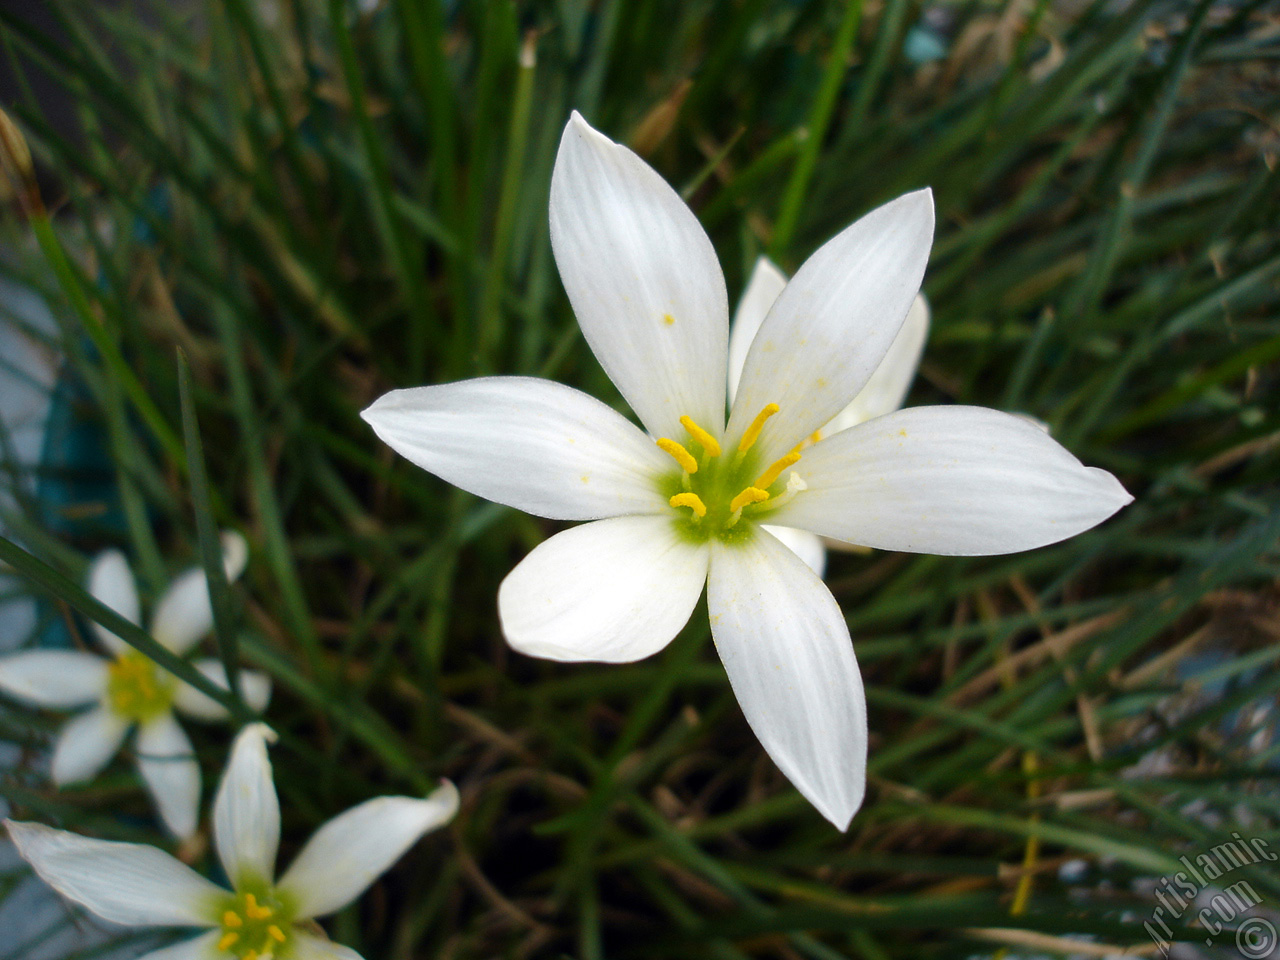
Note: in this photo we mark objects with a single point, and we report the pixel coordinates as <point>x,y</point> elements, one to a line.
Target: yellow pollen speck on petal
<point>690,500</point>
<point>228,938</point>
<point>679,454</point>
<point>767,479</point>
<point>231,919</point>
<point>706,440</point>
<point>753,432</point>
<point>668,319</point>
<point>815,436</point>
<point>275,933</point>
<point>749,495</point>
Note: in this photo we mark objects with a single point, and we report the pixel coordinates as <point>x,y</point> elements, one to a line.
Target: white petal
<point>54,678</point>
<point>804,545</point>
<point>168,765</point>
<point>763,288</point>
<point>786,648</point>
<point>532,444</point>
<point>643,280</point>
<point>122,882</point>
<point>888,386</point>
<point>612,591</point>
<point>1034,421</point>
<point>111,583</point>
<point>834,322</point>
<point>235,553</point>
<point>246,813</point>
<point>203,947</point>
<point>356,847</point>
<point>255,687</point>
<point>86,744</point>
<point>184,613</point>
<point>957,481</point>
<point>306,946</point>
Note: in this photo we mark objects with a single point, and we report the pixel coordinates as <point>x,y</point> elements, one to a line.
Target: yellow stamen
<point>692,501</point>
<point>228,939</point>
<point>275,933</point>
<point>753,432</point>
<point>749,495</point>
<point>680,454</point>
<point>707,441</point>
<point>253,910</point>
<point>767,479</point>
<point>231,919</point>
<point>251,955</point>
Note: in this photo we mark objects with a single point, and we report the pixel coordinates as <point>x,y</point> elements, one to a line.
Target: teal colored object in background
<point>75,489</point>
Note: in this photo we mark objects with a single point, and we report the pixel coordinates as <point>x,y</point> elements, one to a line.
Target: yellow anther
<point>690,500</point>
<point>706,440</point>
<point>770,476</point>
<point>753,432</point>
<point>275,933</point>
<point>228,939</point>
<point>232,919</point>
<point>749,495</point>
<point>255,911</point>
<point>679,454</point>
<point>251,955</point>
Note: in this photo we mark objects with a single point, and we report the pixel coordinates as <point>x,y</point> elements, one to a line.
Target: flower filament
<point>253,928</point>
<point>717,489</point>
<point>136,690</point>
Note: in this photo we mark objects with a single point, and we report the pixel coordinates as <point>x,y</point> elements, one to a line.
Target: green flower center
<point>255,926</point>
<point>713,493</point>
<point>136,689</point>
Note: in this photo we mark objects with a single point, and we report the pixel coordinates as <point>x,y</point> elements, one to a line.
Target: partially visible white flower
<point>259,918</point>
<point>130,690</point>
<point>883,393</point>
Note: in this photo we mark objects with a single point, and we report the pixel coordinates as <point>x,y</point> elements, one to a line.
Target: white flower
<point>130,690</point>
<point>141,886</point>
<point>649,296</point>
<point>883,392</point>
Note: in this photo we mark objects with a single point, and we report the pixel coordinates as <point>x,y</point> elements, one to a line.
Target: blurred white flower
<point>131,690</point>
<point>650,298</point>
<point>259,918</point>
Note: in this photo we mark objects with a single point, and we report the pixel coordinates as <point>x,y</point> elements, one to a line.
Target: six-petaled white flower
<point>686,504</point>
<point>130,690</point>
<point>259,918</point>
